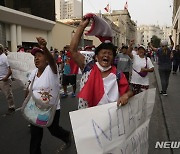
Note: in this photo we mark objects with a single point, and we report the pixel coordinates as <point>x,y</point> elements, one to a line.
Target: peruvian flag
<point>107,8</point>
<point>126,6</point>
<point>96,29</point>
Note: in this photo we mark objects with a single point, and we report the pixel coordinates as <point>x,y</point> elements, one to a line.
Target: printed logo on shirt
<point>45,95</point>
<point>123,59</point>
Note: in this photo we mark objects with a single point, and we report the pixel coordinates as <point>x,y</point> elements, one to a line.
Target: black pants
<point>55,130</point>
<point>164,76</point>
<point>127,75</point>
<point>176,65</point>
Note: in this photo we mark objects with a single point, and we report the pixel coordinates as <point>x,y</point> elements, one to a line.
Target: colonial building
<point>127,27</point>
<point>176,21</point>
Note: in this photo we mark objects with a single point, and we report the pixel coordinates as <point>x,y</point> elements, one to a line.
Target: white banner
<point>21,64</point>
<point>105,129</point>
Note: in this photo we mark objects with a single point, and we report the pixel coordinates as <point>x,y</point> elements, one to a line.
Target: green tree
<point>155,41</point>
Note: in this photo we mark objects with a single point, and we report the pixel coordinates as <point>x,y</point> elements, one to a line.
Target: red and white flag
<point>126,6</point>
<point>107,8</point>
<point>96,29</point>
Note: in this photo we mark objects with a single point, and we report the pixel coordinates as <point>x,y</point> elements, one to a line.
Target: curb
<point>161,99</point>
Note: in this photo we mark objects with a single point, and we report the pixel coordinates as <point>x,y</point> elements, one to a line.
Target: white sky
<point>143,11</point>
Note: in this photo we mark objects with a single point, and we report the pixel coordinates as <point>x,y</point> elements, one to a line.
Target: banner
<point>106,129</point>
<point>21,64</point>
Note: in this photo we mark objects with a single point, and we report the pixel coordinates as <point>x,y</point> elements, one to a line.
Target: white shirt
<point>4,66</point>
<point>139,63</point>
<point>46,87</point>
<point>111,92</point>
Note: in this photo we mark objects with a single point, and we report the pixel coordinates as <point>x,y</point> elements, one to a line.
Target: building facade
<point>127,27</point>
<point>19,27</point>
<point>176,22</point>
<point>146,32</point>
<point>68,9</point>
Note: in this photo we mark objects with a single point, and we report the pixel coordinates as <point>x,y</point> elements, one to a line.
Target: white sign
<point>105,129</point>
<point>21,64</point>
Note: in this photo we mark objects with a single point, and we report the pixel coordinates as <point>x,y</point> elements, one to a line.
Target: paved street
<point>15,134</point>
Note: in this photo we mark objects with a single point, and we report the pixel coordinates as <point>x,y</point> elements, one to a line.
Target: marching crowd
<point>112,74</point>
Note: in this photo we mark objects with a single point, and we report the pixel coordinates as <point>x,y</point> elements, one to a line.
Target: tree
<point>155,41</point>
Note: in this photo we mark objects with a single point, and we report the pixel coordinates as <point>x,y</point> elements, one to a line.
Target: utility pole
<point>82,38</point>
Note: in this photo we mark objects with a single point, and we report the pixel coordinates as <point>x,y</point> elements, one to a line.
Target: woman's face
<point>105,57</point>
<point>40,60</point>
<point>141,52</point>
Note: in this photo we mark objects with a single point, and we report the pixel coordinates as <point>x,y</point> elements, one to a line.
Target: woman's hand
<point>42,42</point>
<point>84,22</point>
<point>123,100</point>
<point>144,70</point>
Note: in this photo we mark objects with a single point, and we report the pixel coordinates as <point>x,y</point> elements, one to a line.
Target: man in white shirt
<point>5,82</point>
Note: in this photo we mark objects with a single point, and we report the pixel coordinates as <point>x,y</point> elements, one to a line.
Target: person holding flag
<point>99,84</point>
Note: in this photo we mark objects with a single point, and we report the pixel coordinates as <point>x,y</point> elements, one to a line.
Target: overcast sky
<point>142,11</point>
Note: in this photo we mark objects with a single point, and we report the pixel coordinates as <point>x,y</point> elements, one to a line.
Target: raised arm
<point>77,57</point>
<point>172,43</point>
<point>42,44</point>
<point>130,48</point>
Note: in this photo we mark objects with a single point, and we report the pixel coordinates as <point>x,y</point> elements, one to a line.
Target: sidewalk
<point>171,107</point>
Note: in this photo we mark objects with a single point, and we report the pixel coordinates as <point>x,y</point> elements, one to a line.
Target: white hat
<point>164,43</point>
<point>142,46</point>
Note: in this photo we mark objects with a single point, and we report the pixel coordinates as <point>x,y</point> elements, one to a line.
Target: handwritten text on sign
<point>107,130</point>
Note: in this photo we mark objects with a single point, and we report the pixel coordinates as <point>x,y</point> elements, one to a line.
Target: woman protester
<point>46,87</point>
<point>99,84</point>
<point>141,66</point>
<point>165,56</point>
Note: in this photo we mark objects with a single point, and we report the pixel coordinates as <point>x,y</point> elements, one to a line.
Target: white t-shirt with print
<point>46,87</point>
<point>4,66</point>
<point>139,63</point>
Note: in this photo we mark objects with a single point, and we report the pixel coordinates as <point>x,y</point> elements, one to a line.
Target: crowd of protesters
<point>130,65</point>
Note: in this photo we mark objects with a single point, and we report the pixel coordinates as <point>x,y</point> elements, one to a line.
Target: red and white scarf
<point>93,90</point>
<point>99,28</point>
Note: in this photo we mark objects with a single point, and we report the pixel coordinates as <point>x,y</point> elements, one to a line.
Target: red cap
<point>36,49</point>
